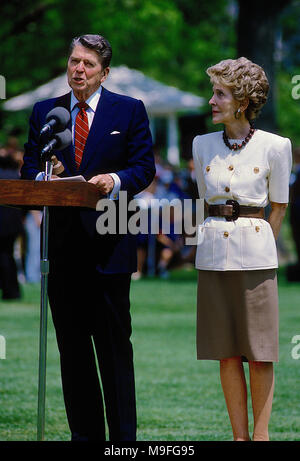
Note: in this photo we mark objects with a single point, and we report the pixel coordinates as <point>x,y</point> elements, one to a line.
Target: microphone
<point>57,119</point>
<point>60,141</point>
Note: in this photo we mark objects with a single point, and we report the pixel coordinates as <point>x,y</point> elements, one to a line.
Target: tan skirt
<point>237,315</point>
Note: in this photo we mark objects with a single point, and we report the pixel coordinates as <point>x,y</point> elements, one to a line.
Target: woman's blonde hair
<point>246,80</point>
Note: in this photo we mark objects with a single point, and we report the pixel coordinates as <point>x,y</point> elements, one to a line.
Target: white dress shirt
<point>253,176</point>
<point>92,102</point>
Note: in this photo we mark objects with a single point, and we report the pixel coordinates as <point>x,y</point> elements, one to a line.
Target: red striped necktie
<point>81,131</point>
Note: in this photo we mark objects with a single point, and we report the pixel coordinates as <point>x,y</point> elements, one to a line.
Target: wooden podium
<point>40,195</point>
<point>19,192</point>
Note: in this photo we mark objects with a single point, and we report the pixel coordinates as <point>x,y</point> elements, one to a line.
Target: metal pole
<point>43,316</point>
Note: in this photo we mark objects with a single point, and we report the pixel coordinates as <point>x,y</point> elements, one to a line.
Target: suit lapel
<point>101,122</point>
<point>64,101</point>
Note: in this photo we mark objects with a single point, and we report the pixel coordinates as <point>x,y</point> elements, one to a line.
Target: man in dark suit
<point>89,278</point>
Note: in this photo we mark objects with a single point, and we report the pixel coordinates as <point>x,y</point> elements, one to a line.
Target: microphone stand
<point>43,314</point>
<point>62,140</point>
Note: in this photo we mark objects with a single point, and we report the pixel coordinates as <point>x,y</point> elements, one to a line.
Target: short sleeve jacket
<point>253,176</point>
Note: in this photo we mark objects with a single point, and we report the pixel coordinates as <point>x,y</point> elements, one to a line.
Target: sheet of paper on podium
<point>70,178</point>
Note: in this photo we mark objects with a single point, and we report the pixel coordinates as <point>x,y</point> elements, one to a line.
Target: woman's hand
<point>276,217</point>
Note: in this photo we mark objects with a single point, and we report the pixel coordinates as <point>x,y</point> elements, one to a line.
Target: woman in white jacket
<point>239,171</point>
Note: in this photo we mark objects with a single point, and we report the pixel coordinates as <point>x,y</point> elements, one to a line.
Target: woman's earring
<point>238,114</point>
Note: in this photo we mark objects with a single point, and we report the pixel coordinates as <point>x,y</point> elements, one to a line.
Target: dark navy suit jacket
<point>129,154</point>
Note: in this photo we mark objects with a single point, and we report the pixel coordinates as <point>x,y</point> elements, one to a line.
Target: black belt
<point>232,210</point>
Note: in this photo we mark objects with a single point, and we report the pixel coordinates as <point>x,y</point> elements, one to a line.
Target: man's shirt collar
<point>92,101</point>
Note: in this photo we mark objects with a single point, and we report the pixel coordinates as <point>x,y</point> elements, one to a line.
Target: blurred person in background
<point>293,271</point>
<point>32,259</point>
<point>11,224</point>
<point>145,241</point>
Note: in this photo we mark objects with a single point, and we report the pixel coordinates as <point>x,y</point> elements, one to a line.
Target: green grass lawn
<point>178,397</point>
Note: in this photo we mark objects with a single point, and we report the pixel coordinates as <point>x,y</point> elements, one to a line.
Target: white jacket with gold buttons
<point>253,176</point>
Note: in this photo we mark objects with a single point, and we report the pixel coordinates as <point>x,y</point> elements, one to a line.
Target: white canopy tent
<point>160,100</point>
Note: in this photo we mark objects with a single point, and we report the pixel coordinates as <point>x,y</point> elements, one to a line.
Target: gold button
<point>227,189</point>
<point>231,167</point>
<point>257,228</point>
<point>226,234</point>
<point>208,169</point>
<point>256,170</point>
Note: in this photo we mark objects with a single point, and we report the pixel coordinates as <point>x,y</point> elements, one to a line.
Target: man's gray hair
<point>97,43</point>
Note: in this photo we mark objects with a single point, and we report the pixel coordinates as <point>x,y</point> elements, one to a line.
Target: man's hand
<point>104,182</point>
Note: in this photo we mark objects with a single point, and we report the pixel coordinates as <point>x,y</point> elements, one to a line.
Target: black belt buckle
<point>235,210</point>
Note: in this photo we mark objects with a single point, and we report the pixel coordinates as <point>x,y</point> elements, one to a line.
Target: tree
<point>257,27</point>
<point>172,41</point>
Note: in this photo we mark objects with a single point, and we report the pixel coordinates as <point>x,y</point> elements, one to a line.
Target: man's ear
<point>104,74</point>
